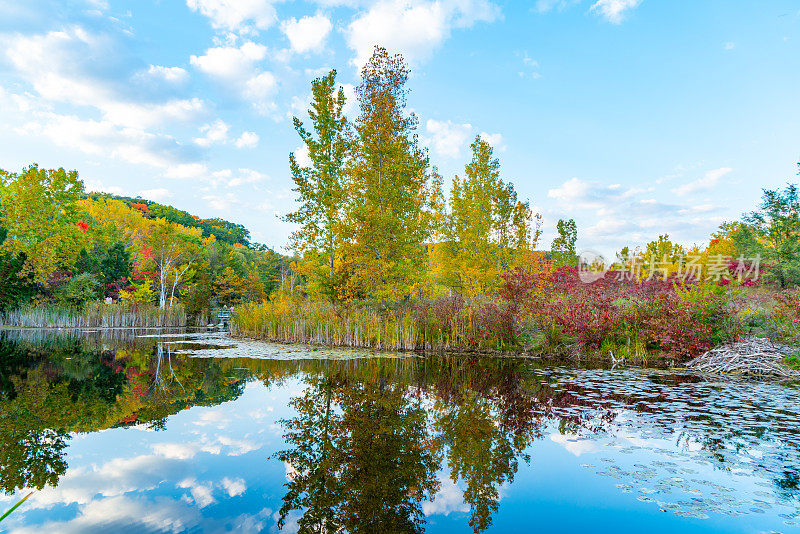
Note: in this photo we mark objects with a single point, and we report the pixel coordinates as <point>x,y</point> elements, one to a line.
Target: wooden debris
<point>749,356</point>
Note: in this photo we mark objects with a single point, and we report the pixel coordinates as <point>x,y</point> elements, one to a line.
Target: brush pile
<point>749,356</point>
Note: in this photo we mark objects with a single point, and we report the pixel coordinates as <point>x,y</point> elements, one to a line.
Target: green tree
<point>775,227</point>
<point>319,186</point>
<point>386,222</point>
<point>39,211</point>
<point>563,248</point>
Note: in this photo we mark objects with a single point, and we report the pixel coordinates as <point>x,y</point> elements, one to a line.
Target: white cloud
<point>216,132</point>
<point>230,63</point>
<point>307,34</point>
<point>238,67</point>
<point>236,15</point>
<point>187,170</point>
<point>247,176</point>
<point>708,181</point>
<point>169,74</point>
<point>447,138</point>
<point>495,139</point>
<point>614,10</point>
<point>201,493</point>
<point>729,45</point>
<point>157,195</point>
<point>234,487</point>
<point>261,86</point>
<point>414,28</point>
<point>302,156</point>
<point>247,140</point>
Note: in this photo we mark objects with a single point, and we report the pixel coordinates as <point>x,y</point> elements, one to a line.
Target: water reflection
<point>400,444</point>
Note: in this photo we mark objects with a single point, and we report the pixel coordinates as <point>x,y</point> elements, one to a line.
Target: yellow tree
<point>386,218</point>
<point>39,209</point>
<point>229,286</point>
<point>488,229</point>
<point>319,186</point>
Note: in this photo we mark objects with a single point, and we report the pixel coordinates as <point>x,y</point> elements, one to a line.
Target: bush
<point>81,289</point>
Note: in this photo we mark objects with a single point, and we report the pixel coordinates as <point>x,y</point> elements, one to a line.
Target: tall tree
<point>387,219</point>
<point>563,248</point>
<point>319,186</point>
<point>488,227</point>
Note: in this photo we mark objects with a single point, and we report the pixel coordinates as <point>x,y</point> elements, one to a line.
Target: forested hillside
<point>62,246</point>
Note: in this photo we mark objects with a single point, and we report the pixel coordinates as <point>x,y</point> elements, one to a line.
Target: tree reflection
<point>366,464</point>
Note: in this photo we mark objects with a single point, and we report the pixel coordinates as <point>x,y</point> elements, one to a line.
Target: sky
<point>634,117</point>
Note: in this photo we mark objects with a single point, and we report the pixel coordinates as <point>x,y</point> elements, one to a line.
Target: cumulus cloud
<point>88,73</point>
<point>230,63</point>
<point>216,132</point>
<point>447,138</point>
<point>614,10</point>
<point>169,74</point>
<point>243,16</point>
<point>307,34</point>
<point>238,67</point>
<point>413,28</point>
<point>247,140</point>
<point>186,171</point>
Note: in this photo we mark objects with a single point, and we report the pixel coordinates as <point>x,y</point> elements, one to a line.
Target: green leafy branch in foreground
<point>22,500</point>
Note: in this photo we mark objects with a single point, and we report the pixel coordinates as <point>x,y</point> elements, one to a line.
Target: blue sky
<point>635,117</point>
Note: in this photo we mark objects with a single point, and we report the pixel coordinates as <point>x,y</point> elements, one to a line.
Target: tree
<point>776,229</point>
<point>386,221</point>
<point>15,287</point>
<point>81,289</point>
<point>488,229</point>
<point>174,249</point>
<point>229,286</point>
<point>319,187</point>
<point>40,212</point>
<point>563,248</point>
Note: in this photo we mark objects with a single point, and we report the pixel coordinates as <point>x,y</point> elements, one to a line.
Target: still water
<point>197,432</point>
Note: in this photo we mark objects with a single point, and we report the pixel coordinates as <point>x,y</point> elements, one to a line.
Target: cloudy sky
<point>635,117</point>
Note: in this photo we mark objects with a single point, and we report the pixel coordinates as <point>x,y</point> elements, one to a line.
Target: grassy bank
<point>95,315</point>
<point>544,313</point>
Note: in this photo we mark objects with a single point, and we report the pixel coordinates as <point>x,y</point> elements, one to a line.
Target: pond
<point>198,432</point>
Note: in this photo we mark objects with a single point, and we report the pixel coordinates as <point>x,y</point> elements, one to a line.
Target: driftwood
<point>749,356</point>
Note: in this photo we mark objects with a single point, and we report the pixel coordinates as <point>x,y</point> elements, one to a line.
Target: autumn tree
<point>175,248</point>
<point>319,186</point>
<point>386,217</point>
<point>40,212</point>
<point>563,248</point>
<point>488,228</point>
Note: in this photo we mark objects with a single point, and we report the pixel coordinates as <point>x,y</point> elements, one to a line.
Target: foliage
<point>81,289</point>
<point>320,186</point>
<point>563,248</point>
<point>39,212</point>
<point>774,232</point>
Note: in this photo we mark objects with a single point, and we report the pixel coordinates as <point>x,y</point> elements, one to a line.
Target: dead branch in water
<point>750,356</point>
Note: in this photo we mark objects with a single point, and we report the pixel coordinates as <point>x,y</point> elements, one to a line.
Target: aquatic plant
<point>95,314</point>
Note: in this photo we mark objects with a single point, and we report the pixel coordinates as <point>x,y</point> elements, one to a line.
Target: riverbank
<point>551,313</point>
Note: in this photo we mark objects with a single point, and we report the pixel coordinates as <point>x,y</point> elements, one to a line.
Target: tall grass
<point>321,323</point>
<point>95,315</point>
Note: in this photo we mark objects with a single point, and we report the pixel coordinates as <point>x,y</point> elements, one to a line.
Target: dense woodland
<point>61,246</point>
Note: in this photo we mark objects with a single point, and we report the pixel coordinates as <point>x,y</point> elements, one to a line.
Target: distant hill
<point>224,231</point>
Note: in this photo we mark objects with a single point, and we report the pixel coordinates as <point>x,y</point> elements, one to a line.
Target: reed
<point>321,323</point>
<point>95,315</point>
